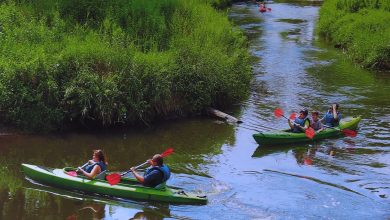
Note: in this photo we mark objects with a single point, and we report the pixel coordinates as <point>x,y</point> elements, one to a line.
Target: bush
<point>104,63</point>
<point>360,27</point>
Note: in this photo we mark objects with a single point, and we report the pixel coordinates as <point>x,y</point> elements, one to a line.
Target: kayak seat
<point>101,175</point>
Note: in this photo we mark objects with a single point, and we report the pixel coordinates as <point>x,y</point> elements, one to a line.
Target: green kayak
<point>128,187</point>
<point>285,137</point>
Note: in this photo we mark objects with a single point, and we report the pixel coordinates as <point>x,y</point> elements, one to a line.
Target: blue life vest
<point>301,122</point>
<point>329,119</point>
<point>166,173</point>
<point>90,167</point>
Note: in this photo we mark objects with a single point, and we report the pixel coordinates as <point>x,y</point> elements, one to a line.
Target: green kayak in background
<point>285,136</point>
<point>128,188</point>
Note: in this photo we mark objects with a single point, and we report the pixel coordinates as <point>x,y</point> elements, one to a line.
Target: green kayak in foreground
<point>128,188</point>
<point>285,137</point>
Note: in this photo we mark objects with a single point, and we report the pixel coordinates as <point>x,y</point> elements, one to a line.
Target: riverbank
<point>104,64</point>
<point>360,28</point>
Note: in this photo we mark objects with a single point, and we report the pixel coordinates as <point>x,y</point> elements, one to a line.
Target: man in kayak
<point>156,174</point>
<point>95,166</point>
<point>315,122</point>
<point>332,117</point>
<point>301,123</point>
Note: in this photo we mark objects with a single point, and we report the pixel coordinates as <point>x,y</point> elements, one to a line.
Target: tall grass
<point>104,63</point>
<point>361,27</point>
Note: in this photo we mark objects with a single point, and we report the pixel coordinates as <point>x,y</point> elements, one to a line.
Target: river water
<point>344,178</point>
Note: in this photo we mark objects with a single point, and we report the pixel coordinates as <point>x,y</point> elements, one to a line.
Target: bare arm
<point>140,178</point>
<point>335,116</point>
<point>95,171</point>
<point>290,124</point>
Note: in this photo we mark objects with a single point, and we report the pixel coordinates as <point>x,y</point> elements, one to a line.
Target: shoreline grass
<point>361,28</point>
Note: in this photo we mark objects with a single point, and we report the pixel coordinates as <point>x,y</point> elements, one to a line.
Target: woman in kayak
<point>301,123</point>
<point>95,166</point>
<point>332,117</point>
<point>315,122</point>
<point>156,174</point>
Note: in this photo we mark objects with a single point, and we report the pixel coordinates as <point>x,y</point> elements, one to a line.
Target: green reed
<point>107,63</point>
<point>360,27</point>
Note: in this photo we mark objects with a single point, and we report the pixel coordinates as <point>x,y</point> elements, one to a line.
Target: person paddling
<point>301,123</point>
<point>95,166</point>
<point>315,122</point>
<point>332,117</point>
<point>156,174</point>
<point>262,7</point>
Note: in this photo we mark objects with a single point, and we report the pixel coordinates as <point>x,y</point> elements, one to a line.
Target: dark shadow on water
<point>81,206</point>
<point>291,20</point>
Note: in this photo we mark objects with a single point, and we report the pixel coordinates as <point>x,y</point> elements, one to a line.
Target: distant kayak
<point>285,136</point>
<point>128,187</point>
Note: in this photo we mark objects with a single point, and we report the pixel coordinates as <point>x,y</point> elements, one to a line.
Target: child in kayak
<point>156,174</point>
<point>332,117</point>
<point>301,123</point>
<point>95,166</point>
<point>315,122</point>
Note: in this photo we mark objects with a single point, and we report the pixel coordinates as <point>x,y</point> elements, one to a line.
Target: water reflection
<point>303,154</point>
<point>72,205</point>
<point>91,211</point>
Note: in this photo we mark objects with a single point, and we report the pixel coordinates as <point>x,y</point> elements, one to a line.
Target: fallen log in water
<point>223,115</point>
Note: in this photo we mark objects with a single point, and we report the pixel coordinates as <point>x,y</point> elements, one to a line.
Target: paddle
<point>116,178</point>
<point>346,132</point>
<point>309,132</point>
<point>74,173</point>
<point>279,113</point>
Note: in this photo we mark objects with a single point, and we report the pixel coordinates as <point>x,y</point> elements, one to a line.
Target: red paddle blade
<point>278,112</point>
<point>113,178</point>
<point>167,152</point>
<point>310,133</point>
<point>269,9</point>
<point>293,116</point>
<point>349,133</point>
<point>308,161</point>
<point>71,173</point>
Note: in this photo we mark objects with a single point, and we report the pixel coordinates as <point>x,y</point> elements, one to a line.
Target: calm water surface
<point>345,178</point>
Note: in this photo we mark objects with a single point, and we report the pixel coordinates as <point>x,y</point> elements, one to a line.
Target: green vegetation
<point>104,63</point>
<point>291,34</point>
<point>291,21</point>
<point>361,27</point>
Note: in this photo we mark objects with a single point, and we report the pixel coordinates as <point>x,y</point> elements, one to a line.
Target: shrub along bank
<point>361,27</point>
<point>104,63</point>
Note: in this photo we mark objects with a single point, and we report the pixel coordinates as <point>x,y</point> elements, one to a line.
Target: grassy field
<point>107,63</point>
<point>360,27</point>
